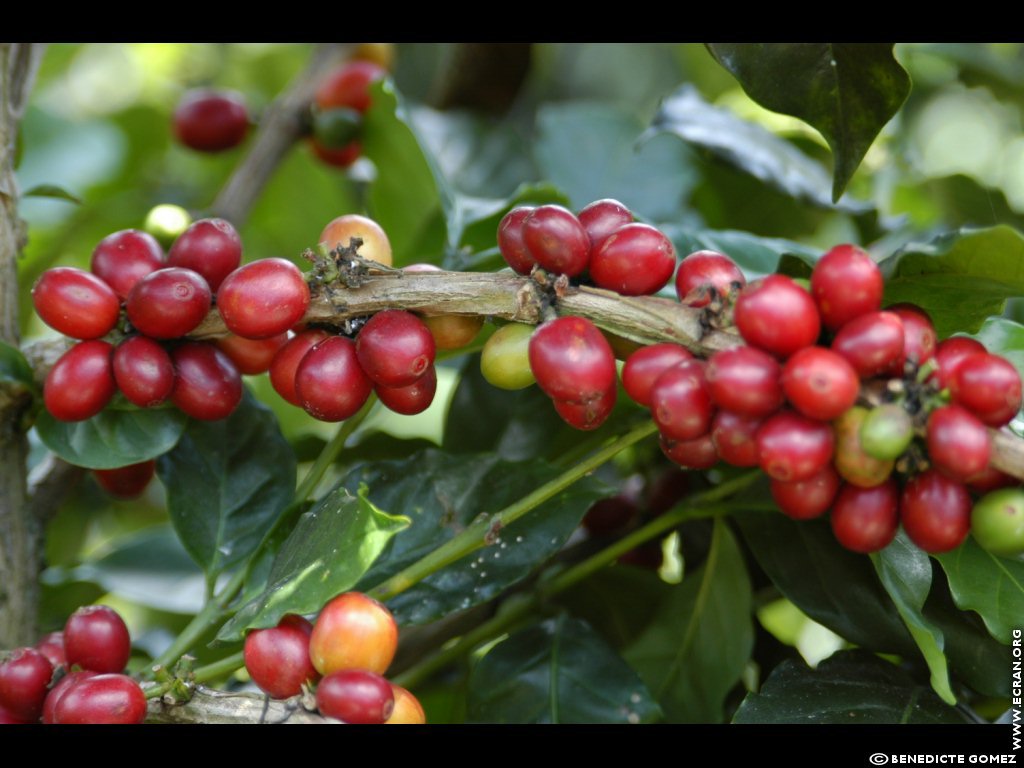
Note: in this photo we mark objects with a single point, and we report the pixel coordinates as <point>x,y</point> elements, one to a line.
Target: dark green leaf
<point>695,650</point>
<point>756,256</point>
<point>960,278</point>
<point>747,146</point>
<point>590,151</point>
<point>53,191</point>
<point>832,585</point>
<point>906,573</point>
<point>443,493</point>
<point>559,671</point>
<point>847,91</point>
<point>993,586</point>
<point>408,197</point>
<point>330,548</point>
<point>148,568</point>
<point>227,481</point>
<point>848,687</point>
<point>15,372</point>
<point>113,438</point>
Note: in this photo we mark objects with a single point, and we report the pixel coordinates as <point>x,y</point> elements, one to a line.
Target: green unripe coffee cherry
<point>165,222</point>
<point>886,432</point>
<point>505,360</point>
<point>336,128</point>
<point>997,522</point>
<point>851,462</point>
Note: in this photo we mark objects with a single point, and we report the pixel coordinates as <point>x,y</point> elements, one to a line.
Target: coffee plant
<point>511,383</point>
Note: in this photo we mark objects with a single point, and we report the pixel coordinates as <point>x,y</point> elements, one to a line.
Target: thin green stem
<point>476,534</point>
<point>219,669</point>
<point>216,608</point>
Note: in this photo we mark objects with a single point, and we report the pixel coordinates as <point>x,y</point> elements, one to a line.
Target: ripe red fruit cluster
<point>621,255</point>
<point>786,402</point>
<point>351,645</point>
<point>74,676</point>
<point>209,120</point>
<point>341,100</point>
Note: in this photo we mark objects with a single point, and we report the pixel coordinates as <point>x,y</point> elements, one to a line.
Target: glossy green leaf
<point>52,191</point>
<point>756,256</point>
<point>848,687</point>
<point>443,493</point>
<point>113,438</point>
<point>906,573</point>
<point>960,278</point>
<point>695,650</point>
<point>590,150</point>
<point>558,671</point>
<point>847,91</point>
<point>834,586</point>
<point>993,586</point>
<point>408,197</point>
<point>748,146</point>
<point>329,549</point>
<point>148,568</point>
<point>227,482</point>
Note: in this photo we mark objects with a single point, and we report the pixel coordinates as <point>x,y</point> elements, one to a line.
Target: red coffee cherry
<point>355,696</point>
<point>602,217</point>
<point>634,260</point>
<point>75,303</point>
<point>919,339</point>
<point>24,679</point>
<point>124,258</point>
<point>353,631</point>
<point>866,519</point>
<point>277,658</point>
<point>950,353</point>
<point>572,360</point>
<point>210,247</point>
<point>412,399</point>
<point>126,482</point>
<point>207,386</point>
<point>262,299</point>
<point>792,447</point>
<point>745,380</point>
<point>103,699</point>
<point>777,315</point>
<point>58,691</point>
<point>251,356</point>
<point>556,240</point>
<point>846,283</point>
<point>211,120</point>
<point>287,359</point>
<point>143,371</point>
<point>589,415</point>
<point>990,479</point>
<point>936,512</point>
<point>807,499</point>
<point>734,437</point>
<point>349,86</point>
<point>958,443</point>
<point>510,240</point>
<point>989,386</point>
<point>680,403</point>
<point>52,647</point>
<point>81,382</point>
<point>96,638</point>
<point>871,343</point>
<point>702,271</point>
<point>698,453</point>
<point>820,383</point>
<point>395,348</point>
<point>644,366</point>
<point>168,303</point>
<point>330,382</point>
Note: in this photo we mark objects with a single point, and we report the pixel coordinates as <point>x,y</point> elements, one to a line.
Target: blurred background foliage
<point>576,130</point>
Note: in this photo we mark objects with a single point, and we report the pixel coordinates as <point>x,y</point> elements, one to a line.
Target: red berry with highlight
<point>75,303</point>
<point>989,386</point>
<point>846,283</point>
<point>143,371</point>
<point>958,443</point>
<point>698,453</point>
<point>210,247</point>
<point>936,512</point>
<point>395,348</point>
<point>680,403</point>
<point>412,399</point>
<point>820,383</point>
<point>207,385</point>
<point>572,360</point>
<point>81,382</point>
<point>355,696</point>
<point>329,381</point>
<point>211,120</point>
<point>634,260</point>
<point>262,299</point>
<point>103,699</point>
<point>602,217</point>
<point>745,380</point>
<point>510,240</point>
<point>96,638</point>
<point>277,658</point>
<point>168,303</point>
<point>792,447</point>
<point>951,352</point>
<point>589,415</point>
<point>124,258</point>
<point>777,315</point>
<point>871,343</point>
<point>644,366</point>
<point>24,679</point>
<point>556,240</point>
<point>866,519</point>
<point>287,360</point>
<point>702,271</point>
<point>807,499</point>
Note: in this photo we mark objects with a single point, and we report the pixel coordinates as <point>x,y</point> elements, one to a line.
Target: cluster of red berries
<point>789,406</point>
<point>619,254</point>
<point>351,646</point>
<point>163,301</point>
<point>74,676</point>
